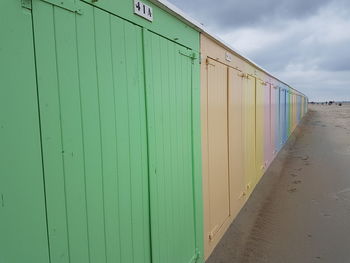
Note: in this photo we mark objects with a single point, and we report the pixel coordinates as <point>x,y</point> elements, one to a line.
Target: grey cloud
<point>310,46</point>
<point>325,72</point>
<point>227,13</point>
<point>336,57</point>
<point>330,57</point>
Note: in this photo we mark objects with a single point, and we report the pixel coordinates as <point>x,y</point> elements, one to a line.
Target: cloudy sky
<point>306,43</point>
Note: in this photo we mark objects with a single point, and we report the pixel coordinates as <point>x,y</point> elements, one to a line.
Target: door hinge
<point>243,75</point>
<point>27,4</point>
<point>191,55</point>
<point>243,194</point>
<point>196,256</point>
<point>207,61</point>
<point>213,232</point>
<point>74,7</point>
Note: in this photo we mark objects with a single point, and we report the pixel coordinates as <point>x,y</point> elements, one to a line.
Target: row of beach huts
<point>129,132</point>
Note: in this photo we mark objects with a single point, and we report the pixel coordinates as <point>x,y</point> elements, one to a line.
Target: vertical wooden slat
<point>107,112</point>
<point>136,125</point>
<point>48,89</point>
<point>218,147</point>
<point>236,141</point>
<point>23,226</point>
<point>91,134</point>
<point>72,148</point>
<point>249,130</point>
<point>123,140</point>
<point>259,131</point>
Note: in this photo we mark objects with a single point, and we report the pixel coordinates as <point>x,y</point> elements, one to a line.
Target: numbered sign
<point>228,57</point>
<point>143,10</point>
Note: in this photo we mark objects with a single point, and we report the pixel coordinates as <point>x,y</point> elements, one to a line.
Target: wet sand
<point>300,211</point>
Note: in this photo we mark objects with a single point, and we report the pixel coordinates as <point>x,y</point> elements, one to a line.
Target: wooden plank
<point>23,225</point>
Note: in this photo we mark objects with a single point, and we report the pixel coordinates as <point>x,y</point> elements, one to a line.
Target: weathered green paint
<point>111,170</point>
<point>23,235</point>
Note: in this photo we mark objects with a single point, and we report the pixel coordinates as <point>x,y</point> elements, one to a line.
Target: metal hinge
<point>74,7</point>
<point>213,232</point>
<point>27,4</point>
<point>191,55</point>
<point>196,256</point>
<point>207,61</point>
<point>248,186</point>
<point>243,75</point>
<point>243,194</point>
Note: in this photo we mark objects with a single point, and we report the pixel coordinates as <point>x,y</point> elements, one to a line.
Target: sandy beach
<point>300,211</point>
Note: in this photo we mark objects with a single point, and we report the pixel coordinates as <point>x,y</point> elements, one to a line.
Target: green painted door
<point>93,120</point>
<point>23,232</point>
<point>169,90</point>
<point>119,109</point>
